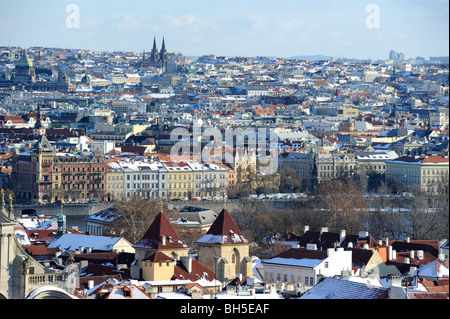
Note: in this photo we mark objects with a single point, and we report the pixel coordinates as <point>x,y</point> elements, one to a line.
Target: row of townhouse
<point>172,180</point>
<point>315,168</point>
<point>43,175</point>
<point>426,172</point>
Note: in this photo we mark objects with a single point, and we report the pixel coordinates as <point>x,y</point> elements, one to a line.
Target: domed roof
<point>86,78</point>
<point>24,60</point>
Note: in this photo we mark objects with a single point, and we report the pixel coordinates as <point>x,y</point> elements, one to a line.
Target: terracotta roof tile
<point>153,238</point>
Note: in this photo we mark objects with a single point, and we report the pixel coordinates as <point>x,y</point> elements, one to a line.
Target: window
<point>326,264</point>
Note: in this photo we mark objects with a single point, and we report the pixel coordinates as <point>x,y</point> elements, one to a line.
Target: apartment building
<point>180,180</point>
<point>210,180</point>
<point>146,179</point>
<point>425,171</point>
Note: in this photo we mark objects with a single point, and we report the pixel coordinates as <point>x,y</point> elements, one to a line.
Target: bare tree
<point>134,216</point>
<point>343,203</point>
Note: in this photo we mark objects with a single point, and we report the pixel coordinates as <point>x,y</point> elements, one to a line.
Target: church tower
<point>160,237</point>
<point>224,249</point>
<point>163,57</point>
<point>154,55</point>
<point>39,128</point>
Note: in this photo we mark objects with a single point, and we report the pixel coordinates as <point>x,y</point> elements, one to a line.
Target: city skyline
<point>348,28</point>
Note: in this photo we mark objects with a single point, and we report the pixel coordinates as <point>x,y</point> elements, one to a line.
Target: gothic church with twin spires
<point>157,58</point>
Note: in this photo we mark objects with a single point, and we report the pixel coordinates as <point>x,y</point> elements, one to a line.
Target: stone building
<point>44,176</point>
<point>160,237</point>
<point>224,249</point>
<point>21,274</point>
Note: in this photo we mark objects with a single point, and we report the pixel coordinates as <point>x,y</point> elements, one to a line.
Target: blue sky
<point>279,28</point>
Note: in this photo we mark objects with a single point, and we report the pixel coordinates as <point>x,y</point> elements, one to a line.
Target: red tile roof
<point>158,257</point>
<point>223,231</point>
<point>198,271</point>
<point>153,238</point>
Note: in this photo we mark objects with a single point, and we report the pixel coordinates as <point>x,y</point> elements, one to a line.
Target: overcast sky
<point>282,28</point>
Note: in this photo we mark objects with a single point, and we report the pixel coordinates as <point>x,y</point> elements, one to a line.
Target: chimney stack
<point>305,229</point>
<point>342,235</point>
<point>187,262</point>
<point>389,253</point>
<point>420,254</point>
<point>363,234</point>
<point>323,230</point>
<point>411,254</point>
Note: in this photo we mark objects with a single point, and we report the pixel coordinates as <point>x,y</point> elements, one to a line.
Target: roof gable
<point>161,235</point>
<point>223,231</point>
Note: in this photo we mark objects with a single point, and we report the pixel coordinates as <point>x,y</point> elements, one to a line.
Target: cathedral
<point>157,58</point>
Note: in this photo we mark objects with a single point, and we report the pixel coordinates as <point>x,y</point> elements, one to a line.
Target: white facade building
<point>308,265</point>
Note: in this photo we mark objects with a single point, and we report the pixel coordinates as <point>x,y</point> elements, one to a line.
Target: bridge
<point>90,209</point>
<point>232,205</point>
<point>56,209</point>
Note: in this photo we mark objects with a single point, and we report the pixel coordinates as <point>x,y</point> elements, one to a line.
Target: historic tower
<point>24,70</point>
<point>224,249</point>
<point>159,237</point>
<point>158,57</point>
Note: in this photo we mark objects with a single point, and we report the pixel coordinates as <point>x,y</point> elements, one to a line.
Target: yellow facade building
<point>180,180</point>
<point>427,172</point>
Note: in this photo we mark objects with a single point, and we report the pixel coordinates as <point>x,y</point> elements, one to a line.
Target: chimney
<point>163,239</point>
<point>412,271</point>
<point>390,253</point>
<point>386,240</point>
<point>91,284</point>
<point>305,229</point>
<point>330,251</point>
<point>323,230</point>
<point>342,235</point>
<point>187,262</point>
<point>88,250</point>
<point>363,234</point>
<point>394,254</point>
<point>366,246</point>
<point>420,254</point>
<point>407,261</point>
<point>411,254</point>
<point>311,247</point>
<point>441,257</point>
<point>395,281</point>
<point>407,239</point>
<point>81,249</point>
<point>350,245</point>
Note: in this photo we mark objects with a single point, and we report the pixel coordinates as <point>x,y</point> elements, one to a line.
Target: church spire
<point>155,48</point>
<point>163,47</point>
